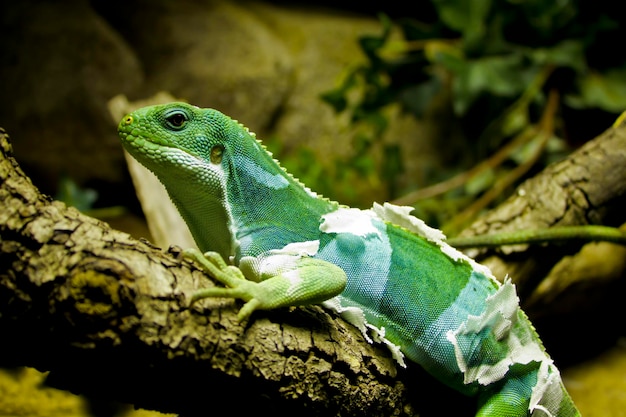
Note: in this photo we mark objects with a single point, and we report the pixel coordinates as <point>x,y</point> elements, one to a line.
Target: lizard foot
<point>237,286</point>
<point>301,281</point>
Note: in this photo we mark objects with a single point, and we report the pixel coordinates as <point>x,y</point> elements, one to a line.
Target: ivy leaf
<point>418,98</point>
<point>71,194</point>
<point>467,17</point>
<point>479,183</point>
<point>501,76</point>
<point>371,45</point>
<point>568,54</point>
<point>606,91</point>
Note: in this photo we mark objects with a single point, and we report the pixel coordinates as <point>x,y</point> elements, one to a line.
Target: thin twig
<point>533,236</point>
<point>451,183</point>
<point>545,132</point>
<point>496,159</point>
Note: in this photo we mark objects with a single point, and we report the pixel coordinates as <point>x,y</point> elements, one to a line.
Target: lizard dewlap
<point>382,269</point>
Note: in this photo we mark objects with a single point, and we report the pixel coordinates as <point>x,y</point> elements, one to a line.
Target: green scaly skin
<point>274,243</point>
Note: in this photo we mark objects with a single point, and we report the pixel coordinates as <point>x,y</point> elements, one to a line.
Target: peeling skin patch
<point>295,281</point>
<point>308,248</point>
<point>396,352</point>
<point>352,315</point>
<point>400,215</point>
<point>356,317</point>
<point>499,318</point>
<point>277,261</point>
<point>349,220</point>
<point>547,393</point>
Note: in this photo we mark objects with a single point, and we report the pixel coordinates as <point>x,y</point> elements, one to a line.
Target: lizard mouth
<point>135,136</point>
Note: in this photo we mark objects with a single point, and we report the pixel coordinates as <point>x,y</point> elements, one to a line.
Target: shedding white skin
<point>356,317</point>
<point>349,220</point>
<point>277,261</point>
<point>547,394</point>
<point>308,248</point>
<point>295,281</point>
<point>500,314</point>
<point>352,315</point>
<point>379,336</point>
<point>401,216</point>
<point>359,223</point>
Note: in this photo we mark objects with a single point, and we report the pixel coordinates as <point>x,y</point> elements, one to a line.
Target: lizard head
<point>156,132</point>
<point>179,142</point>
<point>184,146</point>
<point>225,184</point>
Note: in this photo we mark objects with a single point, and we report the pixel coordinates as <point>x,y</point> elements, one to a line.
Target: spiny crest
<point>291,176</point>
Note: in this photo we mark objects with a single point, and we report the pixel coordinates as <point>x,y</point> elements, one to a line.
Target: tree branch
<point>588,187</point>
<point>567,287</point>
<point>107,315</point>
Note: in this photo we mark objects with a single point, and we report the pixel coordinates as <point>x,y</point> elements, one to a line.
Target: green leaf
<point>497,75</point>
<point>480,182</point>
<point>418,98</point>
<point>336,99</point>
<point>71,194</point>
<point>371,44</point>
<point>467,17</point>
<point>568,53</point>
<point>606,91</point>
<point>337,96</point>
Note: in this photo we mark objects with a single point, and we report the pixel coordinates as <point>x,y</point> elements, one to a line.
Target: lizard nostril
<point>128,119</point>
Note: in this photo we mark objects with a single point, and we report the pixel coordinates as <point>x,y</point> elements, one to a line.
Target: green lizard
<point>273,243</point>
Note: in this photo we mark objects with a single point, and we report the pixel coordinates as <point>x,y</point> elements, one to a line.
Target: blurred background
<point>363,101</point>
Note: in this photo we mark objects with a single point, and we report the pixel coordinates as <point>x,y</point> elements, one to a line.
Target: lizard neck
<point>268,206</point>
<point>207,215</point>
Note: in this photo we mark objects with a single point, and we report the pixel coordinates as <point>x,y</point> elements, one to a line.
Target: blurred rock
<point>60,63</point>
<point>261,64</point>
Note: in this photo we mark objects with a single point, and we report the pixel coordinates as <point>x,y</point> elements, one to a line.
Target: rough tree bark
<point>567,287</point>
<point>588,187</point>
<point>107,315</point>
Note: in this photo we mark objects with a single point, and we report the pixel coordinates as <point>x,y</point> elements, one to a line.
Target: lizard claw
<point>231,276</point>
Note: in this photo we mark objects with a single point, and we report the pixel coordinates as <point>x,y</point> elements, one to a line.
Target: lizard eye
<point>176,120</point>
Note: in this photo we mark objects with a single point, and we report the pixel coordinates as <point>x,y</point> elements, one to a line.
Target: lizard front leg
<point>300,281</point>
